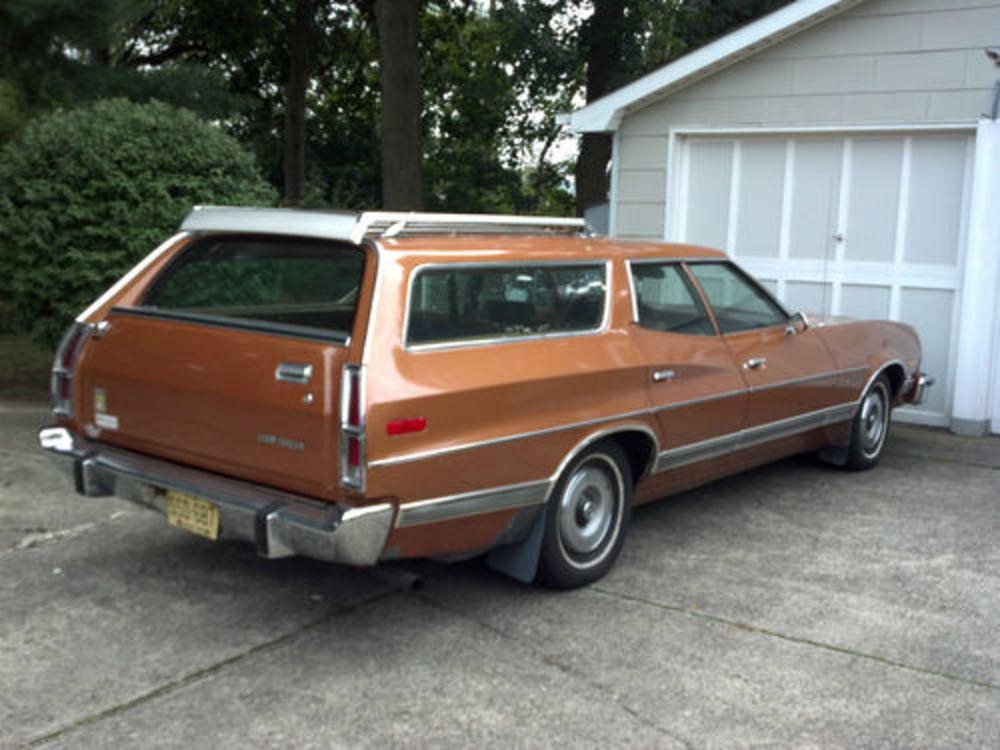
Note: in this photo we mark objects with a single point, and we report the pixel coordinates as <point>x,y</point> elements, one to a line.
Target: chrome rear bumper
<point>277,523</point>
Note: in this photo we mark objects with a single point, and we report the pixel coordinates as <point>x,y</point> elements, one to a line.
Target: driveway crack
<point>853,653</point>
<point>558,665</point>
<point>207,671</point>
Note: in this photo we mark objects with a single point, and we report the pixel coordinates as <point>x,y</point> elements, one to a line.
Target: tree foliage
<point>298,82</point>
<point>84,194</point>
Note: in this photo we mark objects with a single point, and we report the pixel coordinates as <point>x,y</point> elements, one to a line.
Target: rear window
<point>291,283</point>
<point>475,302</point>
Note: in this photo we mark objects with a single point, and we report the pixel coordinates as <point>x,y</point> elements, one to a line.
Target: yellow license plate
<point>192,514</point>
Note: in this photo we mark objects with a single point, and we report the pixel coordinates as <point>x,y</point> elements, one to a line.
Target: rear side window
<point>666,300</point>
<point>289,282</point>
<point>472,302</point>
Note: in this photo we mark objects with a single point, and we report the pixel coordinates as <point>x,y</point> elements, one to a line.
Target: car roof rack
<point>387,224</point>
<point>353,227</point>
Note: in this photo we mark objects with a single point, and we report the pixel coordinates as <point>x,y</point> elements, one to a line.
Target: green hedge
<point>85,194</point>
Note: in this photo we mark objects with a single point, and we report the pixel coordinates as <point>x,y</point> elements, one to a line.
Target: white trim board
<point>605,114</point>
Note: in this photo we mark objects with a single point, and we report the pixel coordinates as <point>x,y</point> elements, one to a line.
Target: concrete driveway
<point>793,606</point>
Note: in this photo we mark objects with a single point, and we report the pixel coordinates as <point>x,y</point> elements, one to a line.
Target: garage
<point>847,153</point>
<point>866,224</point>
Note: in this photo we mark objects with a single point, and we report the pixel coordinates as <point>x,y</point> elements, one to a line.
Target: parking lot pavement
<point>792,606</point>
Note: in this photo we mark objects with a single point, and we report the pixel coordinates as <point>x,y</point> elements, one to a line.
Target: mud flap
<point>833,455</point>
<point>520,560</point>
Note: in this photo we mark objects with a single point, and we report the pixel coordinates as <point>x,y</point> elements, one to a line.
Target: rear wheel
<point>870,426</point>
<point>587,517</point>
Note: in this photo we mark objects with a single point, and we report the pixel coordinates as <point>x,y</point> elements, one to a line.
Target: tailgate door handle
<point>660,375</point>
<point>754,363</point>
<point>293,372</point>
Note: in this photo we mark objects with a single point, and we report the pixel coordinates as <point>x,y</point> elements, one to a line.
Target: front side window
<point>463,303</point>
<point>738,303</point>
<point>666,300</point>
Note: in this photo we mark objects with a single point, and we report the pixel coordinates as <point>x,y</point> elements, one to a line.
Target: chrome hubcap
<point>873,414</point>
<point>586,510</point>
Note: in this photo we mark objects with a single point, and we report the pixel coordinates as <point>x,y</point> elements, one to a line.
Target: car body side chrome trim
<point>751,436</point>
<point>435,453</point>
<point>809,378</point>
<point>527,494</point>
<point>507,497</point>
<point>450,507</point>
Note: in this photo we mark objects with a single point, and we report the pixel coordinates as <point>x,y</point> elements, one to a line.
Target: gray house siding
<point>882,63</point>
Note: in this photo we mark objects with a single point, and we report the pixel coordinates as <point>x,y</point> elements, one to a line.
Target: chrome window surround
<point>467,343</point>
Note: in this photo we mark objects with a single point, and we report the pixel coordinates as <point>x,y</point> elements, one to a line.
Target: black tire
<point>870,426</point>
<point>587,517</point>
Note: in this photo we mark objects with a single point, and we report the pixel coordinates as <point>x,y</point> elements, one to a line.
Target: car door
<point>695,388</point>
<point>791,376</point>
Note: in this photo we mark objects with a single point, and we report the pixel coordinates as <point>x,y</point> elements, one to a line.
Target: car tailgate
<point>251,404</point>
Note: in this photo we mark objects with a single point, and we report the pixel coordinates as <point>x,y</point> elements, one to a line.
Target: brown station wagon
<point>358,388</point>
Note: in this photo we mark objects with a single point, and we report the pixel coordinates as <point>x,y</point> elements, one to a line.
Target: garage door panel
<point>873,199</point>
<point>865,301</point>
<point>930,311</point>
<point>709,178</point>
<point>815,192</point>
<point>935,202</point>
<point>808,296</point>
<point>761,191</point>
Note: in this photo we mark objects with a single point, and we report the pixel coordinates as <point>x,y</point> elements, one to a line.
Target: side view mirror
<point>796,324</point>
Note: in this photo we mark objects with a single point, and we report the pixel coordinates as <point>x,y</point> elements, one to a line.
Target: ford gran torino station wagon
<point>367,387</point>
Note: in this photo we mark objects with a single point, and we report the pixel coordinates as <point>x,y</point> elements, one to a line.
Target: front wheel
<point>587,517</point>
<point>870,426</point>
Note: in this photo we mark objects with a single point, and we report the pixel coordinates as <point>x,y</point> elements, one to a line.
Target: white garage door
<point>868,225</point>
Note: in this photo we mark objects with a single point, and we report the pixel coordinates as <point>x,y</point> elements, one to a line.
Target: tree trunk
<point>402,175</point>
<point>300,39</point>
<point>604,49</point>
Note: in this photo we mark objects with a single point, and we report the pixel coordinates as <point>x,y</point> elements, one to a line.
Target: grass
<point>24,369</point>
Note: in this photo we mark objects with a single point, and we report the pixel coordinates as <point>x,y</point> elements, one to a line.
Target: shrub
<point>85,194</point>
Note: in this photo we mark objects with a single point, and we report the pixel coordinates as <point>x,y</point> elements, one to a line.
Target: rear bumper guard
<point>278,524</point>
<point>920,387</point>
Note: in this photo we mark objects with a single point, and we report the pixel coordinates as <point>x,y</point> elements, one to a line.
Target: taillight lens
<point>63,366</point>
<point>352,428</point>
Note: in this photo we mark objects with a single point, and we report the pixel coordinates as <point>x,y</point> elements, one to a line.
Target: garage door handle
<point>660,375</point>
<point>754,363</point>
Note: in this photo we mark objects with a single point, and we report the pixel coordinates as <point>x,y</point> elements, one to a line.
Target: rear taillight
<point>352,428</point>
<point>62,369</point>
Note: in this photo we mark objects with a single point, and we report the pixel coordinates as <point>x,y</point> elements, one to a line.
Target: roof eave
<point>605,114</point>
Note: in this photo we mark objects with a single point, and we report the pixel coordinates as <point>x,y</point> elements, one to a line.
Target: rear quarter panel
<point>497,415</point>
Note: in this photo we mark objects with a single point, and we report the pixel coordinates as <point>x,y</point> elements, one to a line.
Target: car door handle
<point>293,372</point>
<point>754,362</point>
<point>661,375</point>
